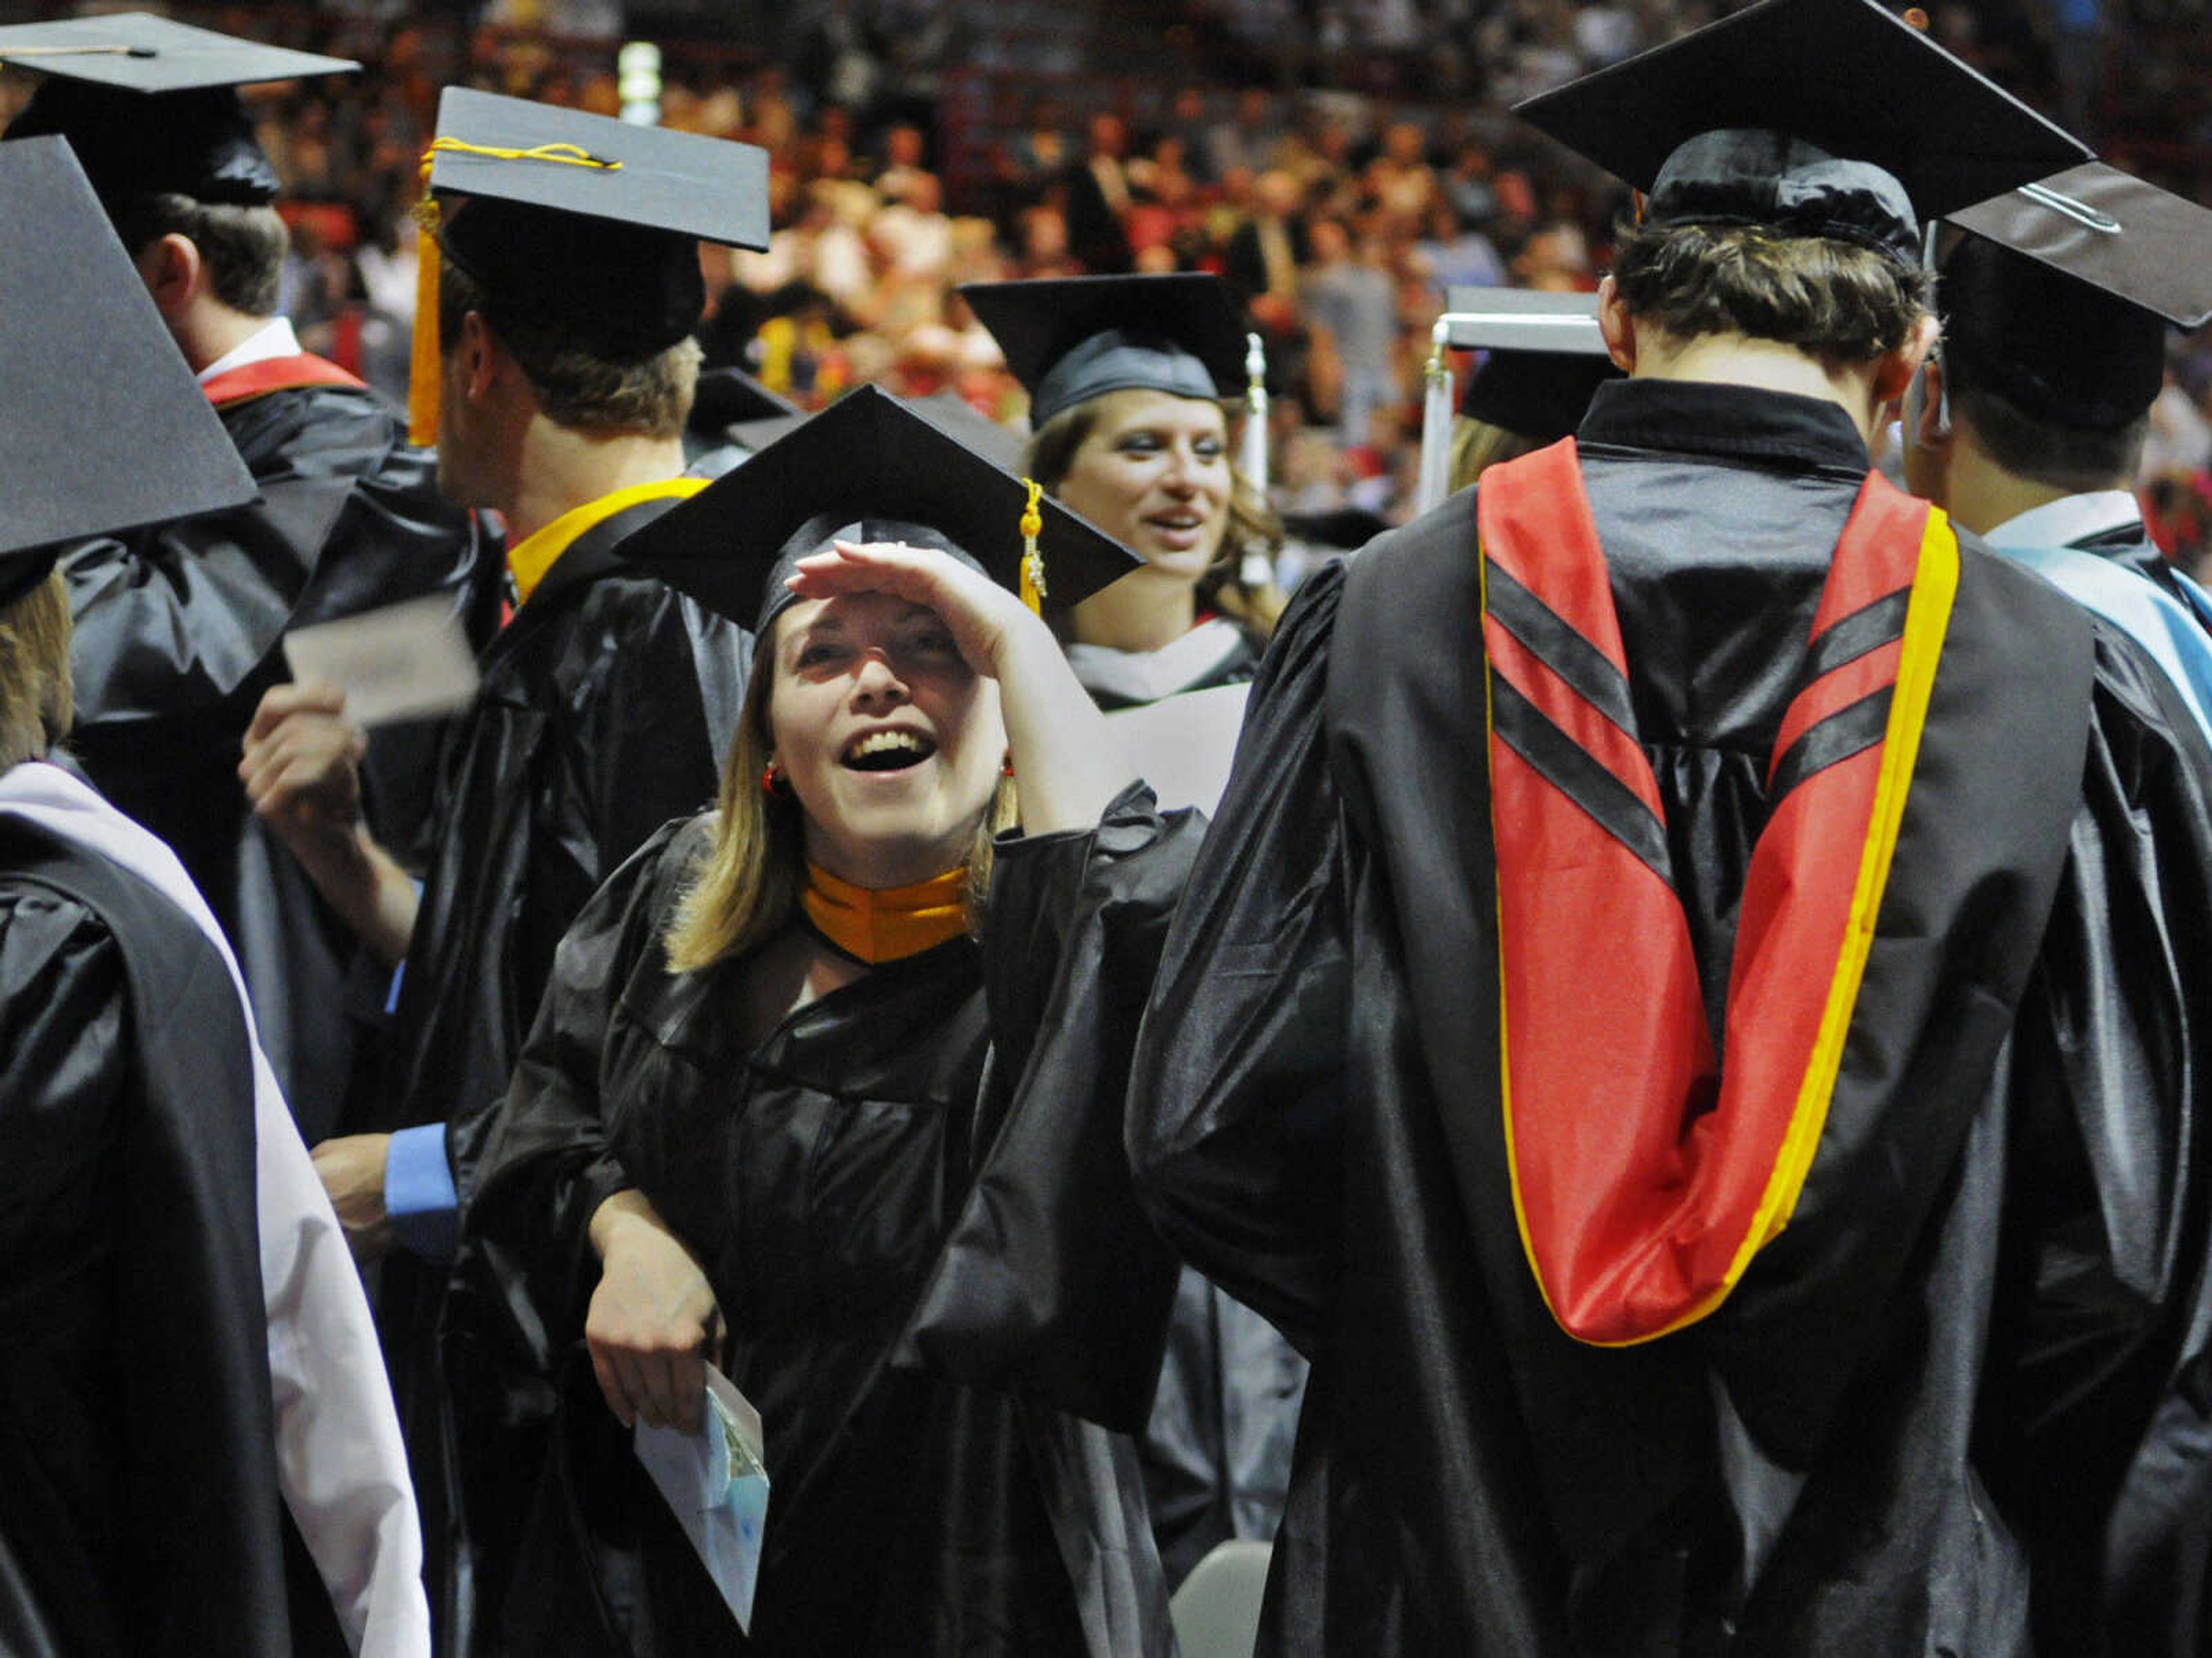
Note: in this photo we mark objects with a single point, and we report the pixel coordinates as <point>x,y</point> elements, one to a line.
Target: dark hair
<point>1253,524</point>
<point>2073,458</point>
<point>242,248</point>
<point>648,397</point>
<point>1832,300</point>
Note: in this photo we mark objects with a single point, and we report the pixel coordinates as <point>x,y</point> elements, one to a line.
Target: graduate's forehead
<point>847,616</point>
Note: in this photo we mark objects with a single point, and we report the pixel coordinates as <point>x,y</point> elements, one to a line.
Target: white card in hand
<point>716,1484</point>
<point>404,661</point>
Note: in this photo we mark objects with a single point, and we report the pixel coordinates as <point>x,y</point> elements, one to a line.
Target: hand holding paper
<point>406,661</point>
<point>716,1483</point>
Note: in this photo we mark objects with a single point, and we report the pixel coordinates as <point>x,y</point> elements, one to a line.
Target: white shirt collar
<point>274,338</point>
<point>2070,519</point>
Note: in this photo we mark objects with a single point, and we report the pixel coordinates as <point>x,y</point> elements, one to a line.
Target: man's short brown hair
<point>242,248</point>
<point>1830,298</point>
<point>648,397</point>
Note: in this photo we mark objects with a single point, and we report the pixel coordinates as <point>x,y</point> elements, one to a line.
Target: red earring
<point>1006,766</point>
<point>772,783</point>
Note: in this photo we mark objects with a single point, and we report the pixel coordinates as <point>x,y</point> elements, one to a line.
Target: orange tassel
<point>423,367</point>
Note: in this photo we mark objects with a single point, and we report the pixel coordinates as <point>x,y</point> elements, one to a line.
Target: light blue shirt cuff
<point>419,1195</point>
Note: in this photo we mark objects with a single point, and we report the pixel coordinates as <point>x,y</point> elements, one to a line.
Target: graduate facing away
<point>1661,1016</point>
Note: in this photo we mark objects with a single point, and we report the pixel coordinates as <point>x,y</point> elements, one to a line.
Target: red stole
<point>1647,1171</point>
<point>256,380</point>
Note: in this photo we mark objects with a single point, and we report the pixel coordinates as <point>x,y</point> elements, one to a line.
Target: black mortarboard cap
<point>866,468</point>
<point>1070,339</point>
<point>1546,357</point>
<point>1858,85</point>
<point>2060,296</point>
<point>731,396</point>
<point>953,415</point>
<point>102,427</point>
<point>588,225</point>
<point>149,105</point>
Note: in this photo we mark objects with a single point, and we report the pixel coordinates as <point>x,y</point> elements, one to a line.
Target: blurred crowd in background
<point>1343,162</point>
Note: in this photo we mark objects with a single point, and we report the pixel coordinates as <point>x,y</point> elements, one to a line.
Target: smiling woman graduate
<point>826,1087</point>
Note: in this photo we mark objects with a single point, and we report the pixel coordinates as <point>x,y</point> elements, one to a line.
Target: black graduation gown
<point>1958,1404</point>
<point>1216,1450</point>
<point>179,630</point>
<point>912,1204</point>
<point>139,1512</point>
<point>601,713</point>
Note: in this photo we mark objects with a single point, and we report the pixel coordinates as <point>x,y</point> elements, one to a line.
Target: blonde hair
<point>1478,446</point>
<point>34,672</point>
<point>745,889</point>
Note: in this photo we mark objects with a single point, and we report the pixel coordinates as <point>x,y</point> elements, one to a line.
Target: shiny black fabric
<point>1958,1404</point>
<point>601,715</point>
<point>179,633</point>
<point>138,1497</point>
<point>910,1202</point>
<point>1216,1449</point>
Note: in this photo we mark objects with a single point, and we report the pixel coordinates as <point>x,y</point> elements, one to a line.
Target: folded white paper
<point>1182,745</point>
<point>716,1484</point>
<point>406,661</point>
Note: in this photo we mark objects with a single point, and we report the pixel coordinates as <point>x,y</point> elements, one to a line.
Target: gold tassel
<point>1033,561</point>
<point>423,367</point>
<point>422,363</point>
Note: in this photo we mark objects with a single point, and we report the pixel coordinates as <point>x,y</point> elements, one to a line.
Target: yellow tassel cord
<point>422,364</point>
<point>1033,589</point>
<point>422,369</point>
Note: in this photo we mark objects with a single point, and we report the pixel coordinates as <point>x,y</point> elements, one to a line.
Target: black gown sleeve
<point>1051,1281</point>
<point>2102,1349</point>
<point>1231,1113</point>
<point>546,1164</point>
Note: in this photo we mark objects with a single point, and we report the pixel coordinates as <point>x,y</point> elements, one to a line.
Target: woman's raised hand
<point>986,620</point>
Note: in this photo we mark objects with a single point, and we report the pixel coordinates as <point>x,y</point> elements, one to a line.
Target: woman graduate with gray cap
<point>826,1091</point>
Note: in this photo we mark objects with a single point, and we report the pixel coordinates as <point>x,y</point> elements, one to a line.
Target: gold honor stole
<point>1647,1172</point>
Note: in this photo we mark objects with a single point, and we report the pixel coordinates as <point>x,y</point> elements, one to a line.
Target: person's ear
<point>1617,327</point>
<point>1894,371</point>
<point>479,357</point>
<point>172,270</point>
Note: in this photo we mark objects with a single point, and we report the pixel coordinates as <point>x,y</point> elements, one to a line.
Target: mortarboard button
<point>866,468</point>
<point>106,428</point>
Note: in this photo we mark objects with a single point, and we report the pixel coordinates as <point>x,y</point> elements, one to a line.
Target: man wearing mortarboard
<point>180,626</point>
<point>1649,1019</point>
<point>2058,299</point>
<point>189,1357</point>
<point>554,362</point>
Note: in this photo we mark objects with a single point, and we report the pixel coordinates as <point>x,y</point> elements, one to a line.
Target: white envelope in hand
<point>716,1484</point>
<point>403,661</point>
